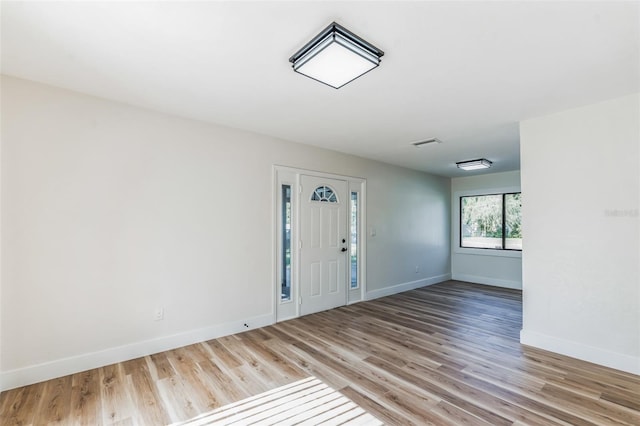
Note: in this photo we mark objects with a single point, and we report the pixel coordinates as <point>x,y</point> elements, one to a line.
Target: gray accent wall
<point>111,211</point>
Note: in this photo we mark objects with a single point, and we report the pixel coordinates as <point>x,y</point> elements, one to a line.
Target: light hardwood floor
<point>444,354</point>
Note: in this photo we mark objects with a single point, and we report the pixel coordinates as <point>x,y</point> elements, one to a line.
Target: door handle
<point>343,249</point>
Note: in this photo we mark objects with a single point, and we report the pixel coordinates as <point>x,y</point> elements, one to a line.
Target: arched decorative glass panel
<point>324,193</point>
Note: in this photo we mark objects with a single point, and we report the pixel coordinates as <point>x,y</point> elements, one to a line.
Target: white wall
<point>492,267</point>
<point>1,246</point>
<point>109,211</point>
<point>581,179</point>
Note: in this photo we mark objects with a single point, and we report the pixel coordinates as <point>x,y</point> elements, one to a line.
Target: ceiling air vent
<point>426,142</point>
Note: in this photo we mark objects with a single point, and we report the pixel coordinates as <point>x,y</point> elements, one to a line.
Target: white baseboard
<point>399,288</point>
<point>487,280</point>
<point>619,361</point>
<point>62,367</point>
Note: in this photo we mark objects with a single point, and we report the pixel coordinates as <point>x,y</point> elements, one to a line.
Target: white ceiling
<point>464,72</point>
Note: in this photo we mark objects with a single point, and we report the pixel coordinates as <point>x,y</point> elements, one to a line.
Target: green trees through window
<point>491,221</point>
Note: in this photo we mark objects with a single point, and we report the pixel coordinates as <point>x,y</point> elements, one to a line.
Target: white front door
<point>323,243</point>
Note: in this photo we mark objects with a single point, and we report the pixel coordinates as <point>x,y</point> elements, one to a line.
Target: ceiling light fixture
<point>336,57</point>
<point>478,164</point>
<point>426,142</point>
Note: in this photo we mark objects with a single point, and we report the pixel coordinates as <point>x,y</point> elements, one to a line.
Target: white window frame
<point>455,223</point>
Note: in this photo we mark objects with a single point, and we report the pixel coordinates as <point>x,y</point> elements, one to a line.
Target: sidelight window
<point>353,253</point>
<point>285,293</point>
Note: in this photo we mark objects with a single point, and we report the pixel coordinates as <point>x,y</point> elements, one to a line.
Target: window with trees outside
<point>491,221</point>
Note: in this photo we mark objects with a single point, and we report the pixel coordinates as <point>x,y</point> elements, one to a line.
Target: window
<point>354,241</point>
<point>491,221</point>
<point>285,292</point>
<point>324,193</point>
<point>513,221</point>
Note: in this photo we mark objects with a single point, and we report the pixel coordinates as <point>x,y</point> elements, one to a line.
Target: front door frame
<point>284,175</point>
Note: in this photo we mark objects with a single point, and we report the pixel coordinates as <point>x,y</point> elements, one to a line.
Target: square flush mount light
<point>336,57</point>
<point>481,163</point>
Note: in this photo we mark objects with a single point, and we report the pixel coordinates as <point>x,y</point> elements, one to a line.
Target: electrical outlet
<point>159,314</point>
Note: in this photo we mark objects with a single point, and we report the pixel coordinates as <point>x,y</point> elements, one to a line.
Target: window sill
<point>488,252</point>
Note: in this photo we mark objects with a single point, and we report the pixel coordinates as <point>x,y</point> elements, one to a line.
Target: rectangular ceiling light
<point>481,163</point>
<point>336,57</point>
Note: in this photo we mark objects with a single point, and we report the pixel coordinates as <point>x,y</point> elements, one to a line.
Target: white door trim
<point>285,175</point>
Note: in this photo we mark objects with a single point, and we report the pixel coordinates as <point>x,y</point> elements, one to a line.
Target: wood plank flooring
<point>448,354</point>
